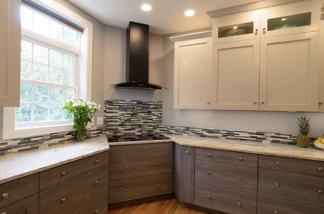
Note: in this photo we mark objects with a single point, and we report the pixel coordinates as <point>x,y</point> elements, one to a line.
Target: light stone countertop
<point>21,164</point>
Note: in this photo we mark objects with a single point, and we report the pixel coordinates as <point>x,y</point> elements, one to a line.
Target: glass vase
<point>80,134</point>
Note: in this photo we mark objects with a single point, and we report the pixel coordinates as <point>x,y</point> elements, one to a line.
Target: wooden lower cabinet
<point>225,200</point>
<point>97,205</point>
<point>267,205</point>
<point>26,206</point>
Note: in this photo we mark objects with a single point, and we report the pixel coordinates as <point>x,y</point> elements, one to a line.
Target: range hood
<point>137,59</point>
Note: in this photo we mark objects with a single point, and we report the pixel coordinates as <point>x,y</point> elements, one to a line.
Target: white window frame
<point>84,72</point>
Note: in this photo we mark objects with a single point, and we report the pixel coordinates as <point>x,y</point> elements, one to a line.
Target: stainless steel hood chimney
<point>137,59</point>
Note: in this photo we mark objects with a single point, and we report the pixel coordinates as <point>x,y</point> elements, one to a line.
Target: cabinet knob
<point>208,173</point>
<point>264,30</point>
<point>96,211</point>
<point>239,203</point>
<point>256,31</point>
<point>240,178</point>
<point>63,173</point>
<point>125,190</point>
<point>208,103</point>
<point>4,213</point>
<point>126,167</point>
<point>277,184</point>
<point>320,102</point>
<point>320,169</point>
<point>97,161</point>
<point>5,195</point>
<point>187,152</point>
<point>96,182</point>
<point>320,192</point>
<point>63,200</point>
<point>208,155</point>
<point>208,196</point>
<point>158,164</point>
<point>240,159</point>
<point>262,102</point>
<point>255,103</point>
<point>277,163</point>
<point>157,185</point>
<point>276,212</point>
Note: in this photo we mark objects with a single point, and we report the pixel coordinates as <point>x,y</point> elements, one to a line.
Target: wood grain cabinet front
<point>225,200</point>
<point>26,206</point>
<point>68,172</point>
<point>18,189</point>
<point>97,205</point>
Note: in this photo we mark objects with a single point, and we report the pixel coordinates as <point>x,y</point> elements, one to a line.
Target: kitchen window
<point>56,64</point>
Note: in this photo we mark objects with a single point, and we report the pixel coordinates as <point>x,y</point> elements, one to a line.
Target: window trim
<point>85,75</point>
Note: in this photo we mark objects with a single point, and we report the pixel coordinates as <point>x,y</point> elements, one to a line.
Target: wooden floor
<point>164,206</point>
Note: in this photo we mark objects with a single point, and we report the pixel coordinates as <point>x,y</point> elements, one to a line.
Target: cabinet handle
<point>126,167</point>
<point>187,152</point>
<point>277,163</point>
<point>5,195</point>
<point>264,30</point>
<point>276,212</point>
<point>277,184</point>
<point>208,103</point>
<point>208,196</point>
<point>4,213</point>
<point>262,102</point>
<point>320,192</point>
<point>208,155</point>
<point>208,173</point>
<point>240,178</point>
<point>63,173</point>
<point>97,161</point>
<point>63,200</point>
<point>320,103</point>
<point>96,182</point>
<point>256,31</point>
<point>239,203</point>
<point>158,164</point>
<point>96,211</point>
<point>157,185</point>
<point>255,103</point>
<point>125,190</point>
<point>320,169</point>
<point>240,159</point>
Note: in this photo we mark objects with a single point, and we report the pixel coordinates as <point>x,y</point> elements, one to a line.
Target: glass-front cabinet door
<point>236,29</point>
<point>298,20</point>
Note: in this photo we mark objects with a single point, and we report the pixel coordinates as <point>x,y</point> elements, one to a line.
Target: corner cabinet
<point>10,35</point>
<point>193,74</point>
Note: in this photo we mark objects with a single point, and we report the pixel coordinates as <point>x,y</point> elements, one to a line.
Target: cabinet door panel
<point>236,70</point>
<point>192,74</point>
<point>297,20</point>
<point>10,35</point>
<point>26,206</point>
<point>289,73</point>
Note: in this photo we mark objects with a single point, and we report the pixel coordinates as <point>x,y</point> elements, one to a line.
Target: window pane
<point>40,112</point>
<point>67,78</point>
<point>26,50</point>
<point>55,58</point>
<point>40,72</point>
<point>41,93</point>
<point>56,31</point>
<point>56,94</point>
<point>56,112</point>
<point>55,75</point>
<point>23,113</point>
<point>40,54</point>
<point>71,37</point>
<point>68,61</point>
<point>25,69</point>
<point>41,24</point>
<point>26,92</point>
<point>68,93</point>
<point>26,18</point>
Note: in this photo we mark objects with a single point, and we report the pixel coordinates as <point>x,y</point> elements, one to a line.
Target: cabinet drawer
<point>135,153</point>
<point>292,165</point>
<point>68,172</point>
<point>18,189</point>
<point>97,205</point>
<point>28,205</point>
<point>295,187</point>
<point>237,158</point>
<point>144,167</point>
<point>271,205</point>
<point>227,175</point>
<point>136,188</point>
<point>225,200</point>
<point>73,194</point>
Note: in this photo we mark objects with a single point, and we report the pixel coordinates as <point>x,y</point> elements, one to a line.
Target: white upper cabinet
<point>292,21</point>
<point>289,73</point>
<point>236,29</point>
<point>192,74</point>
<point>236,75</point>
<point>10,35</point>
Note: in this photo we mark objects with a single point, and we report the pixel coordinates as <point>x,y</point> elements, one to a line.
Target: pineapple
<point>303,139</point>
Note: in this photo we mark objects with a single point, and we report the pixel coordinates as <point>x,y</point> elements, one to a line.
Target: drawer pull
<point>187,152</point>
<point>208,196</point>
<point>240,178</point>
<point>277,184</point>
<point>5,195</point>
<point>277,163</point>
<point>97,161</point>
<point>239,203</point>
<point>320,169</point>
<point>209,173</point>
<point>276,212</point>
<point>4,213</point>
<point>63,173</point>
<point>96,182</point>
<point>157,185</point>
<point>240,159</point>
<point>125,190</point>
<point>96,211</point>
<point>320,192</point>
<point>208,155</point>
<point>158,164</point>
<point>126,167</point>
<point>63,200</point>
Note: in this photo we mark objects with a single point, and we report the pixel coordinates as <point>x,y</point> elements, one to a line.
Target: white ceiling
<point>167,16</point>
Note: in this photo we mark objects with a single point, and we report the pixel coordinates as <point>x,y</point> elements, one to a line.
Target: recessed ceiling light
<point>146,7</point>
<point>190,13</point>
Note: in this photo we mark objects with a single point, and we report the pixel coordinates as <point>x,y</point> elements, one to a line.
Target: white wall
<point>115,65</point>
<point>282,122</point>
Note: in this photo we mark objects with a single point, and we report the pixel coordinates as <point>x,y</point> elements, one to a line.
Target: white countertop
<point>21,164</point>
